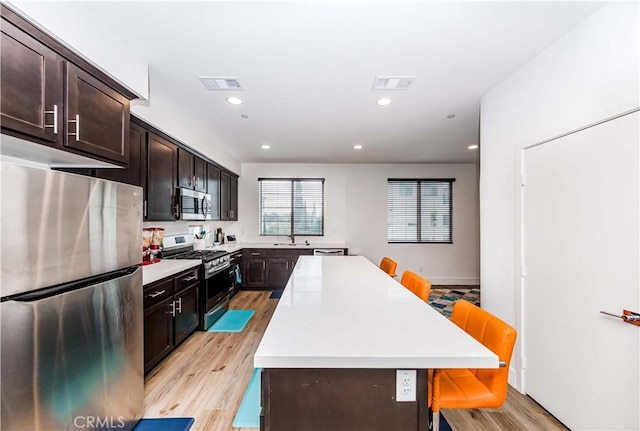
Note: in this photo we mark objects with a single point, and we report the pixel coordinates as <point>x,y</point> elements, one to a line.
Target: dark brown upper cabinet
<point>31,88</point>
<point>97,117</point>
<point>225,180</point>
<point>162,157</point>
<point>191,171</point>
<point>200,172</point>
<point>52,96</point>
<point>228,196</point>
<point>136,172</point>
<point>233,198</point>
<point>213,189</point>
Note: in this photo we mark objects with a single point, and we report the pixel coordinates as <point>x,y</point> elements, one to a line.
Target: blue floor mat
<point>276,294</point>
<point>248,415</point>
<point>164,424</point>
<point>232,321</point>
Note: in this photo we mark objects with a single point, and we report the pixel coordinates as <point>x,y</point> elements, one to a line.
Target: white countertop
<point>166,268</point>
<point>344,312</point>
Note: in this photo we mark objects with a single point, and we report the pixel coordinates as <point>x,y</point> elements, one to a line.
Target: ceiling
<point>307,69</point>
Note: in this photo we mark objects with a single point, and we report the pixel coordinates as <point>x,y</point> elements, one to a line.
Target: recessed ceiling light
<point>450,116</point>
<point>472,147</point>
<point>234,100</point>
<point>357,147</point>
<point>265,146</point>
<point>384,101</point>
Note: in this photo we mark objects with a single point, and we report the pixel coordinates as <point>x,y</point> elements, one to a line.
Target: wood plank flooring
<point>207,375</point>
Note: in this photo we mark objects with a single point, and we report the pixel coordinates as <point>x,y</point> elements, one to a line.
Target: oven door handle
<point>214,271</point>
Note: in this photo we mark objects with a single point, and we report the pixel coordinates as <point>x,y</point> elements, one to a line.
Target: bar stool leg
<point>435,420</point>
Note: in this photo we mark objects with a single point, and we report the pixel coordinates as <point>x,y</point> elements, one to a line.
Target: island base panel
<point>339,399</point>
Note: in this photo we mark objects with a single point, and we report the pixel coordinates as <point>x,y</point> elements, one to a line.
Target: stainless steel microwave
<point>193,205</point>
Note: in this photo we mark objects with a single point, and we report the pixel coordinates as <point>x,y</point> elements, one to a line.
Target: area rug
<point>232,321</point>
<point>276,294</point>
<point>164,424</point>
<point>442,299</point>
<point>248,415</point>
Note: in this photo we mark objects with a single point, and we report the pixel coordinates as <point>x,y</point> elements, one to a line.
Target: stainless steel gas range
<point>216,274</point>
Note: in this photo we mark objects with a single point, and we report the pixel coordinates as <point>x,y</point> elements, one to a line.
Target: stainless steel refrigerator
<point>71,341</point>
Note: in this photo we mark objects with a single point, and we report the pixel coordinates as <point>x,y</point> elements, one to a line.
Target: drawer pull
<point>239,255</point>
<point>255,254</point>
<point>154,294</point>
<point>193,277</point>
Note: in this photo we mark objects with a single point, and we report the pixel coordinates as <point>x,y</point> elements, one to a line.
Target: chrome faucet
<point>293,238</point>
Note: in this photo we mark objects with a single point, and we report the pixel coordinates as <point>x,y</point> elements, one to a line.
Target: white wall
<point>588,75</point>
<point>183,227</point>
<point>94,42</point>
<point>356,214</point>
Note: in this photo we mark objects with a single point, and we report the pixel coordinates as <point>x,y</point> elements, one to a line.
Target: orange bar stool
<point>389,266</point>
<point>420,286</point>
<point>474,388</point>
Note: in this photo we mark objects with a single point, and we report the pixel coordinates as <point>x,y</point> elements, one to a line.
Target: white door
<point>581,255</point>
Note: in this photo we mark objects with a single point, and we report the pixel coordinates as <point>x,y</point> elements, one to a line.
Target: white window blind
<point>419,210</point>
<point>291,206</point>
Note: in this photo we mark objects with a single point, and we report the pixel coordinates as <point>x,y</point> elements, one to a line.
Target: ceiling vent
<point>392,82</point>
<point>220,83</point>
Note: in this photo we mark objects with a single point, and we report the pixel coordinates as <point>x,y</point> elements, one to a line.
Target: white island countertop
<point>344,312</point>
<point>166,268</point>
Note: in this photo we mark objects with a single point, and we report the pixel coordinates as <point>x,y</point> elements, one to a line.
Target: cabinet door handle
<point>154,294</point>
<point>77,121</point>
<point>55,119</point>
<point>179,310</point>
<point>239,255</point>
<point>144,206</point>
<point>193,277</point>
<point>264,265</point>
<point>286,264</point>
<point>172,308</point>
<point>177,211</point>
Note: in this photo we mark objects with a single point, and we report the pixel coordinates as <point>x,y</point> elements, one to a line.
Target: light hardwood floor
<point>207,375</point>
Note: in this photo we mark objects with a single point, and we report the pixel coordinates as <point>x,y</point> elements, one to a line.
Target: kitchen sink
<point>292,244</point>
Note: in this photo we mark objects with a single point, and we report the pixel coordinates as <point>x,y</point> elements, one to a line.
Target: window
<point>419,211</point>
<point>291,206</point>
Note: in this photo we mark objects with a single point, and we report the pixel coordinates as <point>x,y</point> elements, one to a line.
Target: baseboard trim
<point>462,281</point>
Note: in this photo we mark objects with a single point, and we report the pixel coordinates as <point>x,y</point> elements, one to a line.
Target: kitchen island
<point>339,333</point>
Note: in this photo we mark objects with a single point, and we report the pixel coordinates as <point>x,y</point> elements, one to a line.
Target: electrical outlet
<point>405,385</point>
<point>420,269</point>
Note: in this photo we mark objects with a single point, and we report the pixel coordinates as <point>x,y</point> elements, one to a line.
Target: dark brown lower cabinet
<point>186,320</point>
<point>340,400</point>
<point>279,272</point>
<point>158,334</point>
<point>170,314</point>
<point>270,268</point>
<point>255,268</point>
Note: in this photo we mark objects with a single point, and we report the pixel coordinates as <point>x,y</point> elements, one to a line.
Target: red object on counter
<point>149,262</point>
